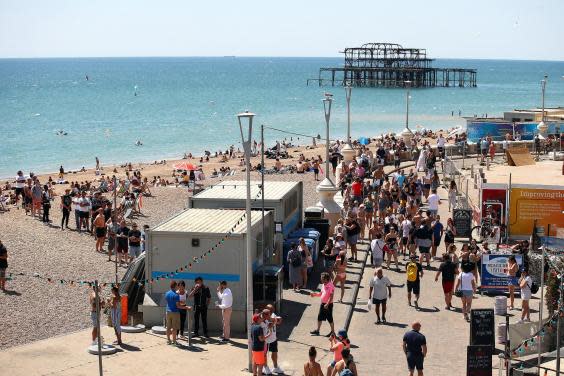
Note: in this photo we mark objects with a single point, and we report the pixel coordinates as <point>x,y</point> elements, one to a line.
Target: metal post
<point>348,90</point>
<point>327,107</point>
<point>262,204</point>
<point>97,298</point>
<point>407,83</point>
<point>115,235</point>
<point>507,347</point>
<point>558,332</point>
<point>541,305</point>
<point>249,267</point>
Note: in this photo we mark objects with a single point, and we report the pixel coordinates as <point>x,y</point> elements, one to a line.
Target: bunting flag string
<point>188,266</point>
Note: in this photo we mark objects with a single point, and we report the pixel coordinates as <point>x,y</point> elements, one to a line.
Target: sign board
<point>482,322</point>
<point>462,219</point>
<point>478,361</point>
<point>545,205</point>
<point>493,204</point>
<point>494,272</point>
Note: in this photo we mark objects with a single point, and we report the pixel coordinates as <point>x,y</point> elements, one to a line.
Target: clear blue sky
<point>515,29</point>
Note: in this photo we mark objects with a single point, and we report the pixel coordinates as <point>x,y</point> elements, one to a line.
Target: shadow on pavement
<point>292,313</point>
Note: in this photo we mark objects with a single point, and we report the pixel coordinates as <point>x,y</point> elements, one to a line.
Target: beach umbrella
<point>364,140</point>
<point>185,166</point>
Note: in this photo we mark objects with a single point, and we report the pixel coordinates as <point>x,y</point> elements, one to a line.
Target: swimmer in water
<point>87,79</point>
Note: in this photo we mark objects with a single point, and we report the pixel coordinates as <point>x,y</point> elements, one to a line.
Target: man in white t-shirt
<point>380,291</point>
<point>405,229</point>
<point>377,248</point>
<point>433,201</point>
<point>441,145</point>
<point>271,321</point>
<point>20,185</point>
<point>84,208</point>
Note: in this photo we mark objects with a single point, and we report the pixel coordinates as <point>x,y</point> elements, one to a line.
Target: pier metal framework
<point>391,65</point>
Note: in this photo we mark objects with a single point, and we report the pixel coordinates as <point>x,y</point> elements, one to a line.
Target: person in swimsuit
<point>368,209</point>
<point>392,243</point>
<point>511,271</point>
<point>100,230</point>
<point>341,273</point>
<point>311,367</point>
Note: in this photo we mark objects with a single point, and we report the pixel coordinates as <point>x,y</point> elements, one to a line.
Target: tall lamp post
<point>326,188</point>
<point>348,151</point>
<point>542,127</point>
<point>407,134</point>
<point>242,118</point>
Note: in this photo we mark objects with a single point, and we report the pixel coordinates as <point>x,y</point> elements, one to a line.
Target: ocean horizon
<point>175,105</point>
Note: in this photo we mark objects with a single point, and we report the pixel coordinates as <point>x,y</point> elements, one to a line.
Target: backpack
<point>296,260</point>
<point>412,272</point>
<point>346,372</point>
<point>534,287</point>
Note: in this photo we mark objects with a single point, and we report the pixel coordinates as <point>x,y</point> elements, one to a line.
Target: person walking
<point>352,229</point>
<point>415,349</point>
<point>414,272</point>
<point>326,308</point>
<point>271,322</point>
<point>225,304</point>
<point>312,367</point>
<point>424,240</point>
<point>115,313</point>
<point>452,193</point>
<point>448,270</point>
<point>3,266</point>
<point>437,229</point>
<point>66,203</point>
<point>466,283</point>
<point>295,262</point>
<point>525,283</point>
<point>377,247</point>
<point>201,295</point>
<point>380,291</point>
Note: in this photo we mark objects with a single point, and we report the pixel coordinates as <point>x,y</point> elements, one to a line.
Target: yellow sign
<point>526,205</point>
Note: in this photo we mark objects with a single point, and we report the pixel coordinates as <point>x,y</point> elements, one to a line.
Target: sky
<point>481,29</point>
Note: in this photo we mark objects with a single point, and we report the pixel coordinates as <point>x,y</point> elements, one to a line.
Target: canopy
<point>185,166</point>
<point>363,140</point>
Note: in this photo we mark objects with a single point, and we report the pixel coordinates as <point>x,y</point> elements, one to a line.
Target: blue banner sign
<point>494,273</point>
<point>497,130</point>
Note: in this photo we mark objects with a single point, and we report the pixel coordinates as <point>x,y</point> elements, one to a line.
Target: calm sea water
<point>189,104</point>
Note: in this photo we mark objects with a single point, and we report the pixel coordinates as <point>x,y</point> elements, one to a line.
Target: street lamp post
<point>542,127</point>
<point>407,134</point>
<point>247,149</point>
<point>348,151</point>
<point>326,188</point>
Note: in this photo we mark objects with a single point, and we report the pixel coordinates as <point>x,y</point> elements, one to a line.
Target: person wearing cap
<point>258,338</point>
<point>66,202</point>
<point>337,345</point>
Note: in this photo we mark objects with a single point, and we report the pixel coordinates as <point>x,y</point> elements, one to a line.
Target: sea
<point>68,111</point>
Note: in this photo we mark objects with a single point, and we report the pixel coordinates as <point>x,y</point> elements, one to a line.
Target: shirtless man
<point>100,230</point>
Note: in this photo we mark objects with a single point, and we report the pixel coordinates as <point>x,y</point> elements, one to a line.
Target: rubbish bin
<point>321,225</point>
<point>273,278</point>
<point>314,212</point>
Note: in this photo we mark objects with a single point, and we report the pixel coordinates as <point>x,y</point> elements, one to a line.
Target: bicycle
<point>486,231</point>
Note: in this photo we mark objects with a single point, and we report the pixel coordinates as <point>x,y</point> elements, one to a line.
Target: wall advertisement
<point>543,204</point>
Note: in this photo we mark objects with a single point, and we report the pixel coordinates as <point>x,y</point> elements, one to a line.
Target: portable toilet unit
<point>213,242</point>
<point>283,198</point>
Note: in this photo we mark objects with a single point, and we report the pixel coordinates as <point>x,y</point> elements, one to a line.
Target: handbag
<point>458,293</point>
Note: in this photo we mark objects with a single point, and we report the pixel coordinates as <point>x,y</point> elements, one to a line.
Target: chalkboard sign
<point>482,323</point>
<point>462,219</point>
<point>478,361</point>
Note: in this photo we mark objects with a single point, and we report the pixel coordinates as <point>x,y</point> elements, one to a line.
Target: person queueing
<point>202,297</point>
<point>182,294</point>
<point>326,308</point>
<point>378,294</point>
<point>512,268</point>
<point>525,283</point>
<point>3,266</point>
<point>95,315</point>
<point>66,203</point>
<point>173,307</point>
